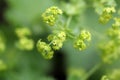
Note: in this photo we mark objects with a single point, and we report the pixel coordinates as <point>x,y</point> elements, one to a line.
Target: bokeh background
<point>67,63</point>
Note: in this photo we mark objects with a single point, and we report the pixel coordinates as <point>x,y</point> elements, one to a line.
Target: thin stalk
<point>71,36</point>
<point>68,21</point>
<point>92,71</point>
<point>50,43</point>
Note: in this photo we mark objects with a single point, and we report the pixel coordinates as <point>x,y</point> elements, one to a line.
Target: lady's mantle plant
<point>60,34</point>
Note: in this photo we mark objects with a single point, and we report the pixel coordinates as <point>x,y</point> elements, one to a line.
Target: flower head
<point>25,44</point>
<point>22,32</point>
<point>51,14</point>
<point>45,49</point>
<point>57,40</point>
<point>85,35</point>
<point>80,42</point>
<point>106,14</point>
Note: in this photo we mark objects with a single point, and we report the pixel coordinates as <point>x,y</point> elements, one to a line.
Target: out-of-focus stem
<point>92,71</point>
<point>68,21</point>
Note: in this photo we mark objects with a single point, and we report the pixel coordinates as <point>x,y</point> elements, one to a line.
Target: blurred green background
<point>67,63</point>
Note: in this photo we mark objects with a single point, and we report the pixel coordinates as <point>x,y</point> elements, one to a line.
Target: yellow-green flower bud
<point>22,32</point>
<point>109,10</point>
<point>79,44</point>
<point>57,40</point>
<point>45,49</point>
<point>51,14</point>
<point>54,10</point>
<point>62,35</point>
<point>85,35</point>
<point>50,20</point>
<point>48,55</point>
<point>104,18</point>
<point>114,33</point>
<point>116,25</point>
<point>25,44</point>
<point>106,14</point>
<point>50,37</point>
<point>57,44</point>
<point>109,51</point>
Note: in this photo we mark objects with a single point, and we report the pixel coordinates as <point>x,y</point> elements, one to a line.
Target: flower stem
<point>68,21</point>
<point>93,70</point>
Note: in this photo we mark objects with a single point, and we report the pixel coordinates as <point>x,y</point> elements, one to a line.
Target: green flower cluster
<point>24,43</point>
<point>116,25</point>
<point>51,14</point>
<point>80,42</point>
<point>99,5</point>
<point>60,32</point>
<point>110,49</point>
<point>56,42</point>
<point>114,33</point>
<point>45,49</point>
<point>106,14</point>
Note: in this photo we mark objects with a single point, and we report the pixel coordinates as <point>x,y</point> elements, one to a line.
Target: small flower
<point>50,20</point>
<point>22,32</point>
<point>62,35</point>
<point>116,25</point>
<point>106,14</point>
<point>51,14</point>
<point>109,10</point>
<point>85,35</point>
<point>45,49</point>
<point>113,33</point>
<point>57,44</point>
<point>57,39</point>
<point>80,42</point>
<point>54,10</point>
<point>25,44</point>
<point>109,51</point>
